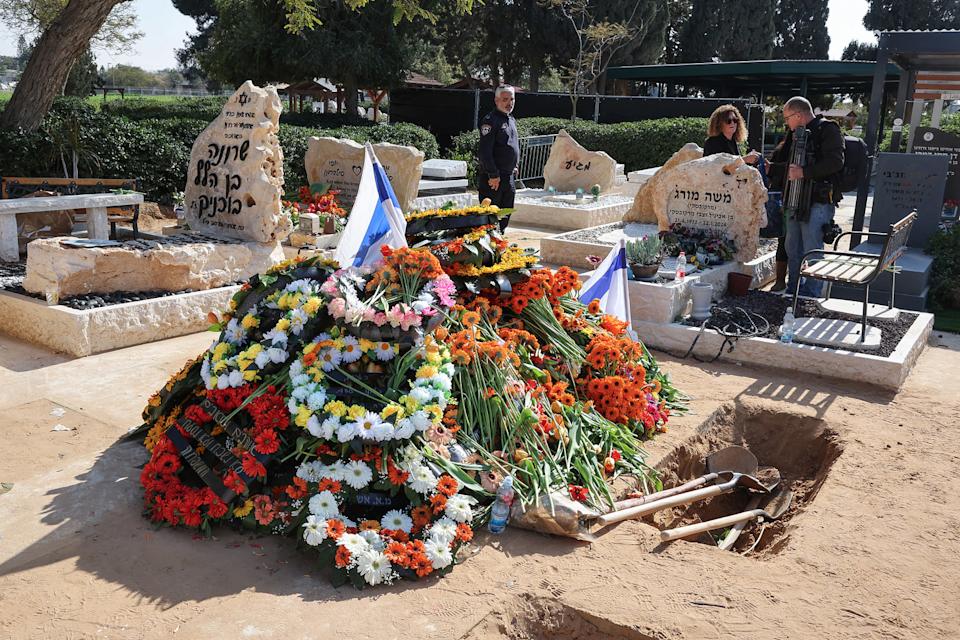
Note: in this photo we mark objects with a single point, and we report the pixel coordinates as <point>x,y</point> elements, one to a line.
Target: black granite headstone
<point>908,181</point>
<point>935,142</point>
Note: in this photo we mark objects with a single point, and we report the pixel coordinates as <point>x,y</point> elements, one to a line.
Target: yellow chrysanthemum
<point>435,412</point>
<point>243,363</point>
<point>283,324</point>
<point>426,371</point>
<point>250,321</point>
<point>219,367</point>
<point>250,375</point>
<point>243,509</point>
<point>303,414</point>
<point>312,305</point>
<point>410,404</point>
<point>367,345</point>
<point>335,408</point>
<point>392,409</point>
<point>310,348</point>
<point>254,350</point>
<point>356,412</point>
<point>220,351</point>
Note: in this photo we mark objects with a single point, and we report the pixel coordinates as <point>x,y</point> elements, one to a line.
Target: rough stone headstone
<point>339,163</point>
<point>928,141</point>
<point>699,195</point>
<point>235,178</point>
<point>643,210</point>
<point>570,167</point>
<point>907,181</point>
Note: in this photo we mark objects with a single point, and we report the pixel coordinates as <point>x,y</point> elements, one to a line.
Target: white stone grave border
<point>85,332</point>
<point>529,212</point>
<point>889,373</point>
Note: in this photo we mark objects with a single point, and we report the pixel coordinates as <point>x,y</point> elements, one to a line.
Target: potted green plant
<point>644,256</point>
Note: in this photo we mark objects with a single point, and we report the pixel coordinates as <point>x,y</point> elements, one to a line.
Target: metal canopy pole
<point>903,87</point>
<point>873,129</point>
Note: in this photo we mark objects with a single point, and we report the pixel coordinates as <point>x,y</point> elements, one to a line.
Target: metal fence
<point>534,151</point>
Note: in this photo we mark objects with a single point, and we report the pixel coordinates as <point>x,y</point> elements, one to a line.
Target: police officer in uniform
<point>499,153</point>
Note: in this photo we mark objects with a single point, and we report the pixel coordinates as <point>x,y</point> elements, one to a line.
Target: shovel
<point>775,506</point>
<point>729,460</point>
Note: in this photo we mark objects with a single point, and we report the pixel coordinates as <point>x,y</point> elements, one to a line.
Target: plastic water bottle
<point>788,327</point>
<point>681,266</point>
<point>501,508</point>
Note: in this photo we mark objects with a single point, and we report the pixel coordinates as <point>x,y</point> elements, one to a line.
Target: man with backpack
<point>824,167</point>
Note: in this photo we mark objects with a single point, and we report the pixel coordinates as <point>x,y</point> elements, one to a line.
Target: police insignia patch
<point>485,129</point>
<point>503,127</point>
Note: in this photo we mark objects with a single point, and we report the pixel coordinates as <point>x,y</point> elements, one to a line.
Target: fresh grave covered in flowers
<point>371,413</point>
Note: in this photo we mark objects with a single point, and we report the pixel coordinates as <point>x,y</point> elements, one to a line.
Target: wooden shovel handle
<point>666,503</point>
<point>735,531</point>
<point>709,525</point>
<point>666,493</point>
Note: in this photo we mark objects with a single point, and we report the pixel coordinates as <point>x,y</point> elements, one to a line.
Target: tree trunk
<point>53,56</point>
<point>350,102</point>
<point>535,67</point>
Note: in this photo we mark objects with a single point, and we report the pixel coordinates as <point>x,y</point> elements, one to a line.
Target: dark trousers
<point>502,197</point>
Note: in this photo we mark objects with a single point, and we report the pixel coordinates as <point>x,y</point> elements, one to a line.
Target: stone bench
<point>98,226</point>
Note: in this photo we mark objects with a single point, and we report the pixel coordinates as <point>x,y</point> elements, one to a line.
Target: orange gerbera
<point>594,306</point>
<point>326,484</point>
<point>343,557</point>
<point>469,319</point>
<point>396,553</point>
<point>420,563</point>
<point>439,502</point>
<point>396,475</point>
<point>421,515</point>
<point>335,528</point>
<point>447,485</point>
<point>464,532</point>
<point>369,525</point>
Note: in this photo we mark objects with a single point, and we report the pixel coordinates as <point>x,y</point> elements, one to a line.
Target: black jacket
<point>499,144</point>
<point>824,156</point>
<point>720,144</point>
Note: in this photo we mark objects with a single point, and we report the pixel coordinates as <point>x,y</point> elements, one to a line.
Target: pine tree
<point>892,15</point>
<point>748,30</point>
<point>700,34</point>
<point>801,27</point>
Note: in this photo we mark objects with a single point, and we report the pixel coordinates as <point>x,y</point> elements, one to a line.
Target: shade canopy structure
<point>762,77</point>
<point>915,54</point>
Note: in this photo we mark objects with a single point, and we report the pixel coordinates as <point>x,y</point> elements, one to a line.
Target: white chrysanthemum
<point>351,349</point>
<point>324,505</point>
<point>300,379</point>
<point>367,424</point>
<point>292,405</point>
<point>448,369</point>
<point>421,420</point>
<point>262,359</point>
<point>410,456</point>
<point>300,393</point>
<point>223,382</point>
<point>313,426</point>
<point>458,508</point>
<point>373,539</point>
<point>296,369</point>
<point>314,530</point>
<point>383,432</point>
<point>276,337</point>
<point>357,474</point>
<point>330,358</point>
<point>347,431</point>
<point>404,429</point>
<point>439,554</point>
<point>443,531</point>
<point>396,519</point>
<point>422,479</point>
<point>236,378</point>
<point>329,428</point>
<point>310,471</point>
<point>354,543</point>
<point>234,333</point>
<point>317,399</point>
<point>374,567</point>
<point>276,355</point>
<point>298,318</point>
<point>441,381</point>
<point>422,395</point>
<point>335,471</point>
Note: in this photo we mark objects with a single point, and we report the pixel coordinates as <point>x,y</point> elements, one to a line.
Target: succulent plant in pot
<point>644,256</point>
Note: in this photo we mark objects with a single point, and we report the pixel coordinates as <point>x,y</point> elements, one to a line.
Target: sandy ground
<point>870,551</point>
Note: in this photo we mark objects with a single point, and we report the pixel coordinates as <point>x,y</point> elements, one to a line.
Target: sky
<point>165,30</point>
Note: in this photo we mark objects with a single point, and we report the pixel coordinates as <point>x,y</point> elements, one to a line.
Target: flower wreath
<point>409,541</point>
<point>169,499</point>
<point>337,357</point>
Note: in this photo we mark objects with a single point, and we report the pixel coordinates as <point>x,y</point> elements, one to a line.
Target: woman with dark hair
<point>727,132</point>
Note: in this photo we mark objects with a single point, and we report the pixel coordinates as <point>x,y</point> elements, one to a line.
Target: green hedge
<point>638,145</point>
<point>158,150</point>
<point>209,108</point>
<point>945,272</point>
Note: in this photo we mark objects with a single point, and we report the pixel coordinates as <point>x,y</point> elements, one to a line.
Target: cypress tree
<point>802,30</point>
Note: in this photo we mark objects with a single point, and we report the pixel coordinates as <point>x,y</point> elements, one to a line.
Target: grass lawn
<point>948,320</point>
<point>97,100</point>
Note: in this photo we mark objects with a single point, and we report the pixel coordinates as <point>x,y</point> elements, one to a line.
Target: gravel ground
<point>772,306</point>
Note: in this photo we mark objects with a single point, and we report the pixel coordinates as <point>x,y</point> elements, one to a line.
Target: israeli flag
<point>375,220</point>
<point>609,285</point>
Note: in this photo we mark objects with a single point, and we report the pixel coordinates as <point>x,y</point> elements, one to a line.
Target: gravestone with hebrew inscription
<point>699,195</point>
<point>235,177</point>
<point>339,162</point>
<point>570,166</point>
<point>907,181</point>
<point>642,209</point>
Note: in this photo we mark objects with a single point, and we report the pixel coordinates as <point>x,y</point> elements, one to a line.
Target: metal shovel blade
<point>733,458</point>
<point>776,504</point>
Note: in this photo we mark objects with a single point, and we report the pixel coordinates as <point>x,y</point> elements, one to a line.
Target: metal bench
<point>855,268</point>
<point>19,187</point>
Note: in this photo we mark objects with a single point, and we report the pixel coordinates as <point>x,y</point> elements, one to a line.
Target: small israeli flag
<point>609,284</point>
<point>375,220</point>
